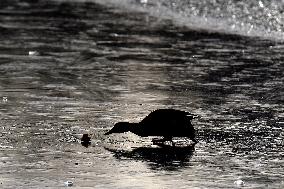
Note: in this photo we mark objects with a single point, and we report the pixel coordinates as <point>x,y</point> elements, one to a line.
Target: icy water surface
<point>71,68</point>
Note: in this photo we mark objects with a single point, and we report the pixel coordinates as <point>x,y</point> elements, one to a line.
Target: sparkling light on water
<point>254,18</point>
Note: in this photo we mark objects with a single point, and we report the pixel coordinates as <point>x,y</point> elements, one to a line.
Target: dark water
<point>71,68</point>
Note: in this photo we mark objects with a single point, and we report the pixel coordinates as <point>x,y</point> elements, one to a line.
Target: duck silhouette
<point>167,123</point>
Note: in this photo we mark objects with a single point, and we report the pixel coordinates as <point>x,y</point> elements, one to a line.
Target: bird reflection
<point>164,157</point>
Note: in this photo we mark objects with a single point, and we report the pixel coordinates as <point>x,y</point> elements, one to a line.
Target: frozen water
<point>97,65</point>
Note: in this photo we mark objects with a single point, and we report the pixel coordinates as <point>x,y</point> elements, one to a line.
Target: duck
<point>166,123</point>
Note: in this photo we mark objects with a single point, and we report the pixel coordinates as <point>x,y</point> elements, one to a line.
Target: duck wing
<point>167,122</point>
<point>164,115</point>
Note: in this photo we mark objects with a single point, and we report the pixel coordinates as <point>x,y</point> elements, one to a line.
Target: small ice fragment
<point>260,4</point>
<point>144,1</point>
<point>239,183</point>
<point>33,53</point>
<point>114,35</point>
<point>5,99</point>
<point>68,183</point>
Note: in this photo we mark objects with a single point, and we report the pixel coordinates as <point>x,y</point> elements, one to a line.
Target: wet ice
<point>104,65</point>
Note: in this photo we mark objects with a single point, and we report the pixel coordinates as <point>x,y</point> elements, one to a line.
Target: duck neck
<point>133,127</point>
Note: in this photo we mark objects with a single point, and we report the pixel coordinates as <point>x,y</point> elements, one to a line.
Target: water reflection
<point>164,157</point>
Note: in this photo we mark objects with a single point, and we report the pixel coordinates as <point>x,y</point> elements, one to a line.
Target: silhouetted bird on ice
<point>167,123</point>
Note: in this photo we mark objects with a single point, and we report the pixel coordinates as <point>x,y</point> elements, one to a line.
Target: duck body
<point>167,123</point>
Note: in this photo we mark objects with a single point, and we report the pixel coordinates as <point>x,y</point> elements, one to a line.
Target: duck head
<point>120,127</point>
